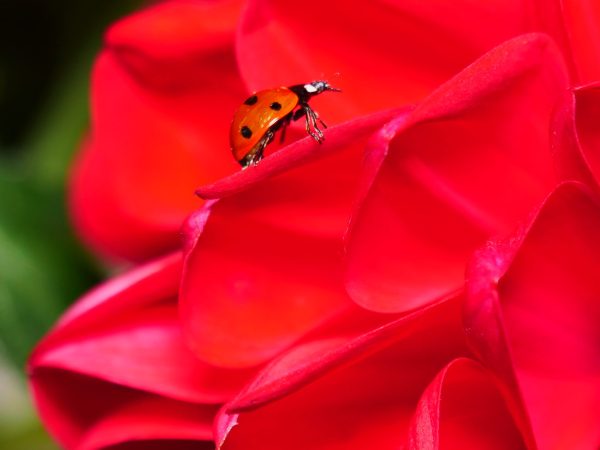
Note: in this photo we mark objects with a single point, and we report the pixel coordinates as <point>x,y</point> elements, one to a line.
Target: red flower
<point>330,277</point>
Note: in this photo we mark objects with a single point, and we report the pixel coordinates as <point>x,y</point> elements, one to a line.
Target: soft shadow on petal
<point>79,410</point>
<point>587,111</point>
<point>533,314</point>
<point>160,123</point>
<point>150,420</point>
<point>163,444</point>
<point>469,162</point>
<point>567,137</point>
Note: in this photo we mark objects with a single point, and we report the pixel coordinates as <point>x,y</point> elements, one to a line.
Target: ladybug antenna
<point>327,87</point>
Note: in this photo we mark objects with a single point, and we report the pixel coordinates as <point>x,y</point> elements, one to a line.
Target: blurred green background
<point>46,53</point>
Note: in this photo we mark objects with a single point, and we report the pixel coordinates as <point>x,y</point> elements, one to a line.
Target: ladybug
<point>265,112</point>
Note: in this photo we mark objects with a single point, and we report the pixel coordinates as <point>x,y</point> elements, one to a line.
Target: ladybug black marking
<point>251,100</point>
<point>246,132</point>
<point>275,106</point>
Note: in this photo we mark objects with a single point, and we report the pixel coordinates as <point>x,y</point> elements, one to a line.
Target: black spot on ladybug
<point>251,100</point>
<point>276,106</point>
<point>246,132</point>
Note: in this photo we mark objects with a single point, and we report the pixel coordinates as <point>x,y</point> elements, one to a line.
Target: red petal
<point>468,163</point>
<point>366,402</point>
<point>146,351</point>
<point>544,308</point>
<point>75,408</point>
<point>152,420</point>
<point>163,444</point>
<point>410,47</point>
<point>463,408</point>
<point>160,126</point>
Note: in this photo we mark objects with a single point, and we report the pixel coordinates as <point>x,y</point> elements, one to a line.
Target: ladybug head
<point>308,90</point>
<point>316,87</point>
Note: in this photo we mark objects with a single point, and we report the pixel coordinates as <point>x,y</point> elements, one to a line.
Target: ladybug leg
<point>303,111</point>
<point>254,157</point>
<point>316,116</point>
<point>262,144</point>
<point>321,120</point>
<point>311,127</point>
<point>311,124</point>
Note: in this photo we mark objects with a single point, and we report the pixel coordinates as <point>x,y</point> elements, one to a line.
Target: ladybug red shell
<point>265,112</point>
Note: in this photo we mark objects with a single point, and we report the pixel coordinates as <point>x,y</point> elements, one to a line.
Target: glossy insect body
<point>265,112</point>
